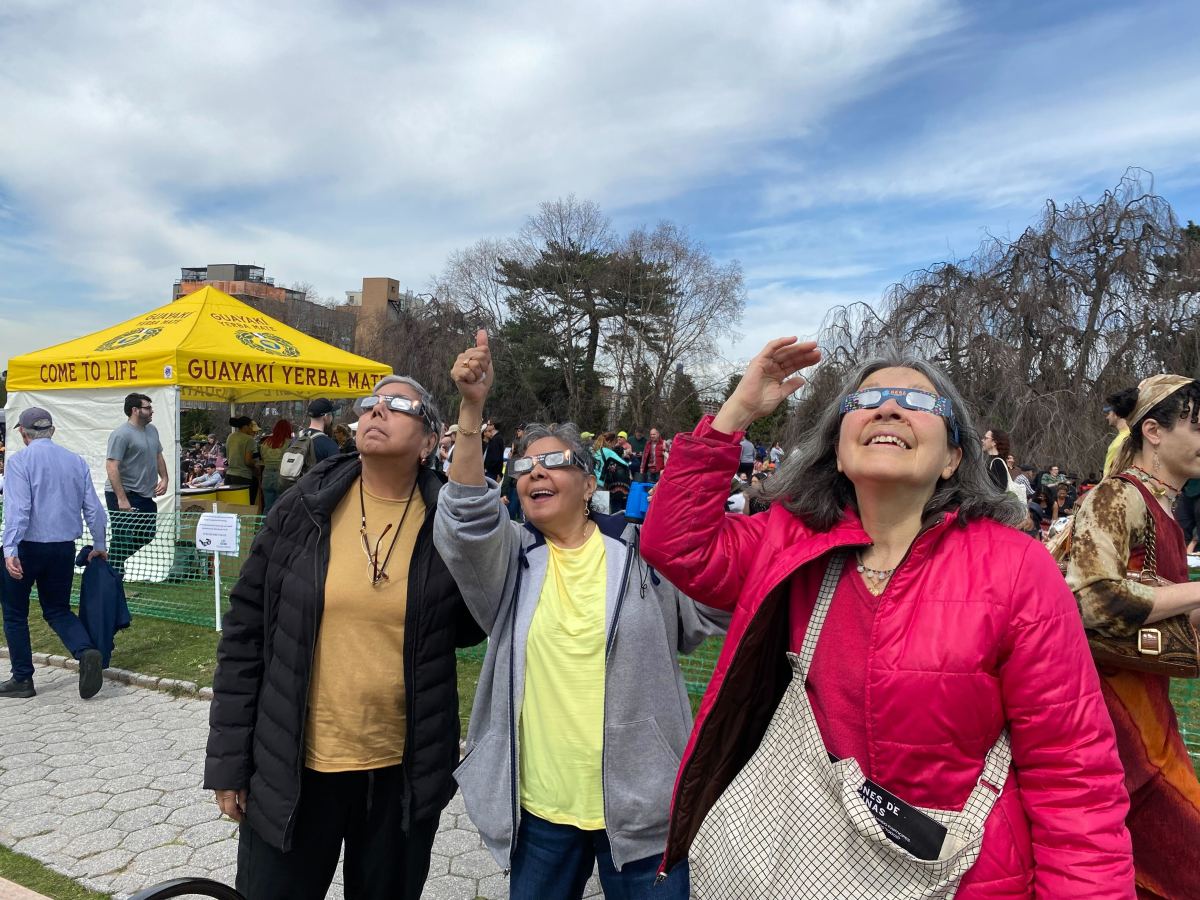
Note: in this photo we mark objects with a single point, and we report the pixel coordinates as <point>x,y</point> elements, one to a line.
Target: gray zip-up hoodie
<point>500,567</point>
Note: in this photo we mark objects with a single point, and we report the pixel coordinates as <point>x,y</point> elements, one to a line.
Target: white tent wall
<point>83,420</point>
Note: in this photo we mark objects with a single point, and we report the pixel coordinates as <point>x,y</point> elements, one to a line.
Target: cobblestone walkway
<point>107,791</point>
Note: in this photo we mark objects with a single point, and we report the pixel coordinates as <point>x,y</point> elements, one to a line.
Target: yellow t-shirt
<point>562,715</point>
<point>356,701</point>
<point>1114,448</point>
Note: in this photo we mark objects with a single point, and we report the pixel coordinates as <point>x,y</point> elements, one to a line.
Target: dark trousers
<point>131,529</point>
<point>51,567</point>
<point>364,809</point>
<point>242,481</point>
<point>554,862</point>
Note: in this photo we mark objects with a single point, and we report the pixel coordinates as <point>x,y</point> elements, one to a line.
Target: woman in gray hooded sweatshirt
<point>581,715</point>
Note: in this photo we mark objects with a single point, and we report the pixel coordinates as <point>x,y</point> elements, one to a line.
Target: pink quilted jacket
<point>977,631</point>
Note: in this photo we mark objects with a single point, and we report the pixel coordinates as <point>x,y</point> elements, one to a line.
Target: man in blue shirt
<point>46,489</point>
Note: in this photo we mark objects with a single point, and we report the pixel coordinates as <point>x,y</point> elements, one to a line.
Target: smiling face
<point>382,432</point>
<point>553,499</point>
<point>894,445</point>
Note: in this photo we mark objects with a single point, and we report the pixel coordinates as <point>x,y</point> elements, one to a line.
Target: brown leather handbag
<point>1170,647</point>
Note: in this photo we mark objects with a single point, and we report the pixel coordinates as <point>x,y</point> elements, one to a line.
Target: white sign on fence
<point>217,533</point>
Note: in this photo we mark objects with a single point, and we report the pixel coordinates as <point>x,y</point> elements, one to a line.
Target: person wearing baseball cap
<point>1125,524</point>
<point>46,488</point>
<point>320,414</point>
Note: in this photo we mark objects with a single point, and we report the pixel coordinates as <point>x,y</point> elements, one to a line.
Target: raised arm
<point>471,530</point>
<point>687,535</point>
<point>473,375</point>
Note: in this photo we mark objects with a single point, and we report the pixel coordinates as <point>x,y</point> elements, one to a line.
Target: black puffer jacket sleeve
<point>229,761</point>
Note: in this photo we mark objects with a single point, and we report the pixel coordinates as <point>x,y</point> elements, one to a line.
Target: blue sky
<point>831,147</point>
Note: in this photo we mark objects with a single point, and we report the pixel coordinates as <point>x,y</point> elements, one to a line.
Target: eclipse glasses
<point>906,398</point>
<point>555,459</point>
<point>395,403</point>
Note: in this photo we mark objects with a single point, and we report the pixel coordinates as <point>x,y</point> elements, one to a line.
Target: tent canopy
<point>215,348</point>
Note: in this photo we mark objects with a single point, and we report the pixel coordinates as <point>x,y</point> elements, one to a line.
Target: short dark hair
<point>134,401</point>
<point>1122,402</point>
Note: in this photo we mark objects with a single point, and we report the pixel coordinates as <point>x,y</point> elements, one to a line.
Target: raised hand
<point>472,371</point>
<point>768,381</point>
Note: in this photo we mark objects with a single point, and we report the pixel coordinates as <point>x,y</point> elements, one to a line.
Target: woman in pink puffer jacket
<point>947,626</point>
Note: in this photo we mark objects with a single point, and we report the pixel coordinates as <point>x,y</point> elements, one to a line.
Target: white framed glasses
<point>555,459</point>
<point>395,403</point>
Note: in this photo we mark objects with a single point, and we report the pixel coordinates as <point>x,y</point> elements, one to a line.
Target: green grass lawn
<point>150,646</point>
<point>189,652</point>
<point>30,873</point>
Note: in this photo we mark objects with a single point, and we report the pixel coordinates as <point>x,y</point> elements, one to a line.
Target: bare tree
<point>1035,332</point>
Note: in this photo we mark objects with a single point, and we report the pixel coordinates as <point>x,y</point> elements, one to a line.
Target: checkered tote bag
<point>792,825</point>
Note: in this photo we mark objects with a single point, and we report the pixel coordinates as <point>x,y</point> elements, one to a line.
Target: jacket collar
<point>333,477</point>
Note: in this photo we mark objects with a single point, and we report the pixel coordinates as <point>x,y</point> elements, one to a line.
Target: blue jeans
<point>554,862</point>
<point>51,566</point>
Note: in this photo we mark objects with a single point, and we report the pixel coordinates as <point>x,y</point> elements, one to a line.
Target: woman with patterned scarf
<point>1110,538</point>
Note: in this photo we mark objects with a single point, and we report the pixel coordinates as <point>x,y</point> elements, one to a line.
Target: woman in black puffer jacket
<point>335,709</point>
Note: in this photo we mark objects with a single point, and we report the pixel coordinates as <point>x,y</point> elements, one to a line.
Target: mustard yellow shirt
<point>356,706</point>
<point>562,715</point>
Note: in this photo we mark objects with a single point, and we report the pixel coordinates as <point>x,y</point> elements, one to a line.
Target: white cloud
<point>328,141</point>
<point>1066,109</point>
<point>778,309</point>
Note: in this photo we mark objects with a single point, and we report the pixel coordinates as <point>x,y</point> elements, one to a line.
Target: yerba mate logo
<point>267,343</point>
<point>128,339</point>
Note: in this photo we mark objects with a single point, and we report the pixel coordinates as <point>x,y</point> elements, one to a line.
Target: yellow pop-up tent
<point>204,347</point>
<point>213,347</point>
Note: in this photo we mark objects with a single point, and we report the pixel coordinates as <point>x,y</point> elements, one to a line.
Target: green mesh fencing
<point>168,578</point>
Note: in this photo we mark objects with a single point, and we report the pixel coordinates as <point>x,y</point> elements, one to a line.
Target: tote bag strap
<point>833,571</point>
<point>990,784</point>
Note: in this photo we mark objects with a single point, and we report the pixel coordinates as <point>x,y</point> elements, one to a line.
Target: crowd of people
<point>908,703</point>
<point>913,697</point>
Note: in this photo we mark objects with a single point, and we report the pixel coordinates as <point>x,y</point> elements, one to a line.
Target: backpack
<point>300,456</point>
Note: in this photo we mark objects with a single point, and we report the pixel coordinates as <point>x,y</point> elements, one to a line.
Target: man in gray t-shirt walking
<point>137,473</point>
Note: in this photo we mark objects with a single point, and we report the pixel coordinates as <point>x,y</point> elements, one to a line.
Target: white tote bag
<point>794,823</point>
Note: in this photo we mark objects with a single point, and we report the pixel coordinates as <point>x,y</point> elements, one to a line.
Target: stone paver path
<point>107,791</point>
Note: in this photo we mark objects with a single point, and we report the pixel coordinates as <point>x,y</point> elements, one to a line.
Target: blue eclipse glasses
<point>906,398</point>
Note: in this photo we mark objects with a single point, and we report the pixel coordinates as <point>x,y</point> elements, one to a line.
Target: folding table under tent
<point>206,346</point>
